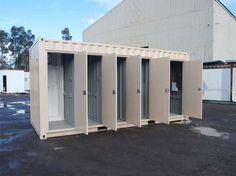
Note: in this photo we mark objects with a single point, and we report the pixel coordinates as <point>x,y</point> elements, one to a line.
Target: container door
<point>192,88</point>
<point>109,91</point>
<point>159,90</point>
<point>133,90</point>
<point>80,79</point>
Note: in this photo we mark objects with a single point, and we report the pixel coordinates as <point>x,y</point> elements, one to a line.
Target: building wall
<point>15,80</point>
<point>234,85</point>
<point>180,25</point>
<point>216,84</point>
<point>224,34</point>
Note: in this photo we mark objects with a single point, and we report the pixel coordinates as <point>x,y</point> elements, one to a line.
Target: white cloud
<point>56,3</point>
<point>8,21</point>
<point>94,19</point>
<point>107,3</point>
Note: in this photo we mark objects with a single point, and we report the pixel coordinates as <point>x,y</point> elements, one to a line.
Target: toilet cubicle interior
<point>60,91</point>
<point>94,90</point>
<point>145,89</point>
<point>121,89</point>
<point>176,84</point>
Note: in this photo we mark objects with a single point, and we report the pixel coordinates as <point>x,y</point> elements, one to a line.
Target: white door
<point>159,108</point>
<point>133,90</point>
<point>192,88</point>
<point>80,79</point>
<point>109,91</point>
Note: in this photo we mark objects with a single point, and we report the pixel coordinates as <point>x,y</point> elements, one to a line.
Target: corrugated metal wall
<point>94,89</point>
<point>121,89</point>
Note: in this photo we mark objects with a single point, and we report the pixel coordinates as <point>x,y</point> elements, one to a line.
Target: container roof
<point>218,64</point>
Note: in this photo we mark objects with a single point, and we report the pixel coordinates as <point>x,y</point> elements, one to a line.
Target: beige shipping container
<point>85,87</point>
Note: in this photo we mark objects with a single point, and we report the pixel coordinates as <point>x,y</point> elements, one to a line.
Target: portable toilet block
<point>84,87</point>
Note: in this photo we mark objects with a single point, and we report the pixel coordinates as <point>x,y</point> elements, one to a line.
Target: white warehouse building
<point>205,28</point>
<point>14,81</point>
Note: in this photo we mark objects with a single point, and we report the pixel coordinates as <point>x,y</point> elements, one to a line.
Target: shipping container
<point>86,87</point>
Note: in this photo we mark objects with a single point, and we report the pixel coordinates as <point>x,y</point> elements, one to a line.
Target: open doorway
<point>94,90</point>
<point>60,91</point>
<point>145,89</point>
<point>4,79</point>
<point>176,84</point>
<point>121,89</point>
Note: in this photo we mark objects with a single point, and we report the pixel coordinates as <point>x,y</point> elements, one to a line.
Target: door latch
<point>113,92</point>
<point>138,91</point>
<point>167,90</point>
<point>84,92</point>
<point>199,89</point>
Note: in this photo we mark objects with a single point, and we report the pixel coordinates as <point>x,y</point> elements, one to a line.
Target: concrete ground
<point>203,148</point>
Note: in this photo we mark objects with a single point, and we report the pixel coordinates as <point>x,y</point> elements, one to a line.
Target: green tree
<point>20,42</point>
<point>4,40</point>
<point>66,34</point>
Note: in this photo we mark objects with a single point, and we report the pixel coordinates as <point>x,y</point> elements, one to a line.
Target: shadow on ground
<point>206,147</point>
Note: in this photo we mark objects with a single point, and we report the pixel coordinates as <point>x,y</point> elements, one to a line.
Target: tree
<point>4,40</point>
<point>20,42</point>
<point>66,34</point>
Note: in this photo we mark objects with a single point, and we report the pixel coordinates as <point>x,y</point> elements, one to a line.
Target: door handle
<point>138,91</point>
<point>113,92</point>
<point>199,89</point>
<point>167,90</point>
<point>84,92</point>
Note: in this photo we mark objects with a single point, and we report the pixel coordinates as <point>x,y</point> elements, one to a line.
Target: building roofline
<point>218,1</point>
<point>104,15</point>
<point>226,9</point>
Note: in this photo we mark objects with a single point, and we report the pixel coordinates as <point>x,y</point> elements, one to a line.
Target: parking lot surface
<point>203,147</point>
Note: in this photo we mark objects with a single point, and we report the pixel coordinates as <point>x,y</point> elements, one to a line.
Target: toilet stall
<point>83,87</point>
<point>60,91</point>
<point>175,89</point>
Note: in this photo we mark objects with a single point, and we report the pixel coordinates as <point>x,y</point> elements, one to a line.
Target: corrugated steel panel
<point>91,48</point>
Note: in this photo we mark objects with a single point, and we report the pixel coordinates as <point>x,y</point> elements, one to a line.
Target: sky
<point>46,18</point>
